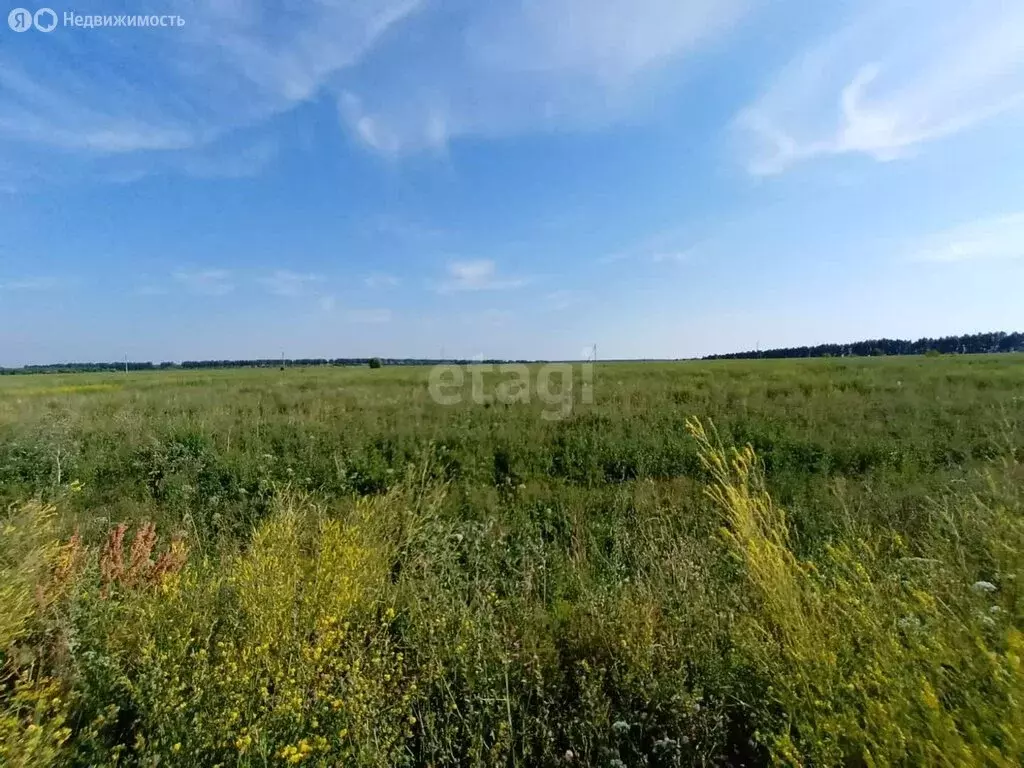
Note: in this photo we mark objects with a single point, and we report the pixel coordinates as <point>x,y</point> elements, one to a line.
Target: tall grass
<point>377,638</point>
<point>471,608</point>
<point>872,653</point>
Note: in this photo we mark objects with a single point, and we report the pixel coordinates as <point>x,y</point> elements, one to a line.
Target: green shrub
<point>33,707</point>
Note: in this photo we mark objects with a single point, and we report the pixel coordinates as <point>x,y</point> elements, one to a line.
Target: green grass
<point>373,578</point>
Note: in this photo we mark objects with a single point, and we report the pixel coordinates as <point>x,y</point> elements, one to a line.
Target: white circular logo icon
<point>20,20</point>
<point>45,20</point>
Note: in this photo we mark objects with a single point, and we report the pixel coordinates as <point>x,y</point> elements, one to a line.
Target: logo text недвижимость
<point>47,20</point>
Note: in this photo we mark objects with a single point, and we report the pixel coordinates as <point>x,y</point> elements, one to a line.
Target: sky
<point>514,179</point>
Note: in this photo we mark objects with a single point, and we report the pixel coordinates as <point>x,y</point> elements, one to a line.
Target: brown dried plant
<point>141,570</point>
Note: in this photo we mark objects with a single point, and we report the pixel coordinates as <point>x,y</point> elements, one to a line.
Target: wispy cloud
<point>1000,237</point>
<point>478,275</point>
<point>32,284</point>
<point>283,282</point>
<point>368,316</point>
<point>206,282</point>
<point>562,299</point>
<point>674,245</point>
<point>381,280</point>
<point>481,69</point>
<point>496,69</point>
<point>243,161</point>
<point>672,257</point>
<point>355,315</point>
<point>896,77</point>
<point>373,131</point>
<point>234,64</point>
<point>403,228</point>
<point>493,318</point>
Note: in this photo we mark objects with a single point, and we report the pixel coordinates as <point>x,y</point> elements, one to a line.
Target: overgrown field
<point>811,562</point>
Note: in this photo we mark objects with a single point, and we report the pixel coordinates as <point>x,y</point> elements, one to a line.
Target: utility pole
<point>126,362</point>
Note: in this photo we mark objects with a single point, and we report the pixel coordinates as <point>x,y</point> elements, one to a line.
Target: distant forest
<point>972,344</point>
<point>304,362</point>
<point>978,343</point>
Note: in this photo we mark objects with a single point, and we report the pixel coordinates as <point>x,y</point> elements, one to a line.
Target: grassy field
<point>812,562</point>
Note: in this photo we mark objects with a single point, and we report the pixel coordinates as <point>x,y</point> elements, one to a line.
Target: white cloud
<point>370,130</point>
<point>1000,237</point>
<point>283,282</point>
<point>381,280</point>
<point>206,282</point>
<point>601,39</point>
<point>898,76</point>
<point>463,68</point>
<point>234,64</point>
<point>676,245</point>
<point>676,257</point>
<point>477,275</point>
<point>497,69</point>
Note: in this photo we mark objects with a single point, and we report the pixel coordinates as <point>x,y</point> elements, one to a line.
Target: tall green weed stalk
<point>874,654</point>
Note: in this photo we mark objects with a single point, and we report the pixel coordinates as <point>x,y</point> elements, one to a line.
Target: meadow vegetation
<point>807,562</point>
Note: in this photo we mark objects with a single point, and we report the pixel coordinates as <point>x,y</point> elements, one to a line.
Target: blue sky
<point>509,179</point>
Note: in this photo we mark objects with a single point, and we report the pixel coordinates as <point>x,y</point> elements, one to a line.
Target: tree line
<point>304,362</point>
<point>970,344</point>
